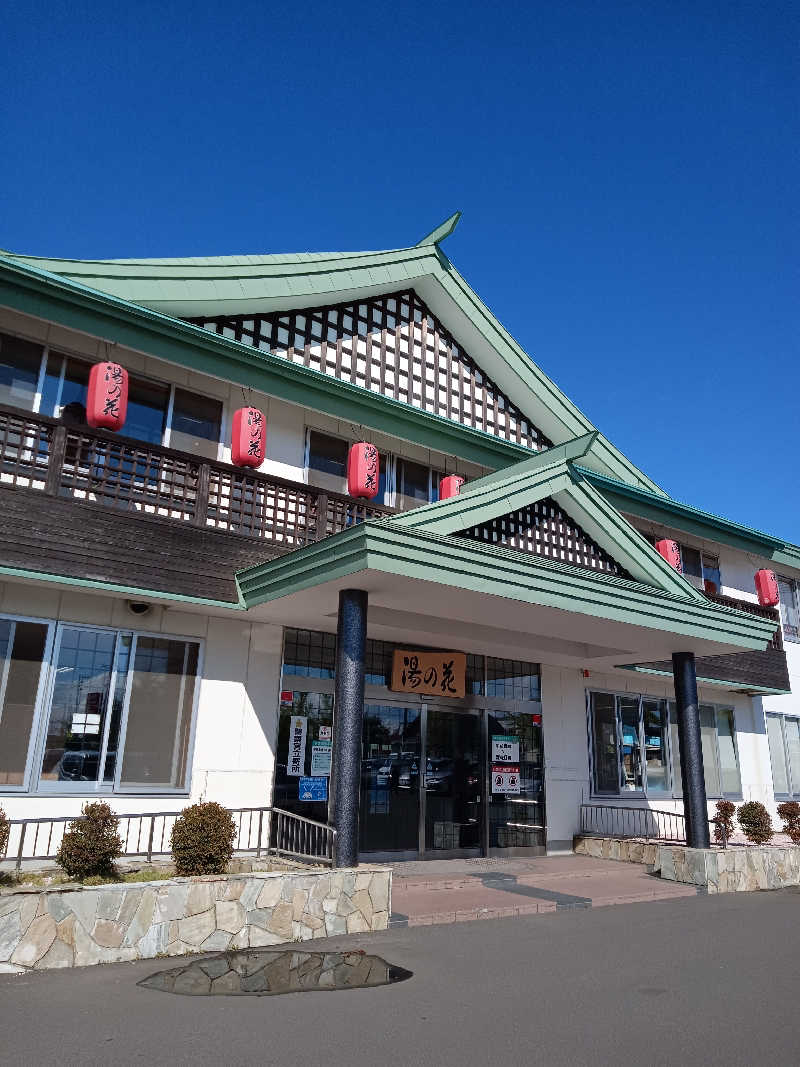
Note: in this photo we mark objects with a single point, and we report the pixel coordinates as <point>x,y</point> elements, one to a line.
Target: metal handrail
<point>146,834</point>
<point>650,824</point>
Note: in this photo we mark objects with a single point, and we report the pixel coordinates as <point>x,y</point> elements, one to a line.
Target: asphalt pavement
<point>701,980</point>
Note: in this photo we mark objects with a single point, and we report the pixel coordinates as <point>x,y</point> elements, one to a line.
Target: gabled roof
<point>186,288</point>
<point>552,474</point>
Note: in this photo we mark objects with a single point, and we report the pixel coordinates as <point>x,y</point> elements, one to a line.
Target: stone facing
<point>616,848</point>
<point>74,927</point>
<point>739,869</point>
<point>732,870</point>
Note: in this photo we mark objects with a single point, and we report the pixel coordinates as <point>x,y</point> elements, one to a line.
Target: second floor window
<point>416,484</point>
<point>55,384</point>
<point>403,483</point>
<point>701,568</point>
<point>790,616</point>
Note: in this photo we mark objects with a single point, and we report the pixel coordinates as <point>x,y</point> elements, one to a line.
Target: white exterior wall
<point>236,715</point>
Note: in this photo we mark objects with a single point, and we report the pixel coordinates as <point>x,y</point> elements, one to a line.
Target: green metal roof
<point>233,285</point>
<point>634,500</point>
<point>507,573</point>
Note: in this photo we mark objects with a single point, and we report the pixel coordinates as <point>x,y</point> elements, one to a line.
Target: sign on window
<point>505,748</point>
<point>505,779</point>
<point>296,763</point>
<point>433,674</point>
<point>321,758</point>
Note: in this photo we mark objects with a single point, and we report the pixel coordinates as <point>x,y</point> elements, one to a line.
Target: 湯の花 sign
<point>296,763</point>
<point>505,779</point>
<point>440,674</point>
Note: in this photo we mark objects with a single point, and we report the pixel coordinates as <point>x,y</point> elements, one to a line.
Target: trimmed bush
<point>202,839</point>
<point>5,830</point>
<point>756,823</point>
<point>789,811</point>
<point>91,844</point>
<point>723,821</point>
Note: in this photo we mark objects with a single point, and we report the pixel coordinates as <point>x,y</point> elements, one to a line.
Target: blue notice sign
<point>313,789</point>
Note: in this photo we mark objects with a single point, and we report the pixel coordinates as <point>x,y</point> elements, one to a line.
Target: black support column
<point>694,783</point>
<point>345,785</point>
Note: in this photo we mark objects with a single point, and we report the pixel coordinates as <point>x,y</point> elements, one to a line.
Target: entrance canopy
<point>585,588</point>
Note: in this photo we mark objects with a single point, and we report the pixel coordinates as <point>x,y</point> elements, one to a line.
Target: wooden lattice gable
<point>390,344</point>
<point>543,506</point>
<point>545,529</point>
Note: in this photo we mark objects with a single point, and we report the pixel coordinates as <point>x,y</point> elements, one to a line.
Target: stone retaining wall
<point>72,926</point>
<point>616,848</point>
<point>732,870</point>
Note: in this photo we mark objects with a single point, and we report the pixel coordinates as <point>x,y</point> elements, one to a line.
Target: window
<point>790,617</point>
<point>326,466</point>
<point>158,413</point>
<point>416,484</point>
<point>22,655</point>
<point>311,654</point>
<point>783,734</point>
<point>106,709</point>
<point>512,680</point>
<point>196,424</point>
<point>159,716</point>
<point>699,567</point>
<point>635,747</point>
<point>20,366</point>
<point>327,462</point>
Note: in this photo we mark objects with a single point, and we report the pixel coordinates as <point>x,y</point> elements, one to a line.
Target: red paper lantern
<point>450,486</point>
<point>248,438</point>
<point>671,553</point>
<point>107,397</point>
<point>363,470</point>
<point>767,589</point>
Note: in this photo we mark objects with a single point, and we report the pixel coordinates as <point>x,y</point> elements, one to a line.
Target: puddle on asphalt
<point>264,973</point>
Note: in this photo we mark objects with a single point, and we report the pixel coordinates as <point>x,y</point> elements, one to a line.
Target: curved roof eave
<point>241,285</point>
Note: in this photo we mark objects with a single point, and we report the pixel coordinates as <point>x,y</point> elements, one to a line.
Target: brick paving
<point>446,891</point>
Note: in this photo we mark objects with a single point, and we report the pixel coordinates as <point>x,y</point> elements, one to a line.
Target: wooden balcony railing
<point>102,468</point>
<point>753,609</point>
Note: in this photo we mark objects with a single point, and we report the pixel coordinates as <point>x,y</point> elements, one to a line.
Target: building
<point>168,620</point>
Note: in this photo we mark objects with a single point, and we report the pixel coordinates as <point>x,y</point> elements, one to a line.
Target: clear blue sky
<point>628,174</point>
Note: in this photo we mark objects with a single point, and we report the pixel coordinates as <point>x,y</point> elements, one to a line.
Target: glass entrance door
<point>516,791</point>
<point>453,781</point>
<point>390,777</point>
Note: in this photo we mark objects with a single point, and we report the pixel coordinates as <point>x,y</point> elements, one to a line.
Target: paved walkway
<point>445,891</point>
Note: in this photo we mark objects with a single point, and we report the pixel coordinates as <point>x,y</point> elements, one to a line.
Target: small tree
<point>723,822</point>
<point>5,830</point>
<point>202,839</point>
<point>756,823</point>
<point>789,811</point>
<point>91,844</point>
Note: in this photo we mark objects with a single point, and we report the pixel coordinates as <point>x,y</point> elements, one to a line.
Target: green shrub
<point>756,823</point>
<point>723,821</point>
<point>789,811</point>
<point>91,844</point>
<point>5,830</point>
<point>202,839</point>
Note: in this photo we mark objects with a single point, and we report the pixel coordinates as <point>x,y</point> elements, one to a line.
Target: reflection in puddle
<point>257,973</point>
